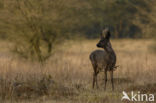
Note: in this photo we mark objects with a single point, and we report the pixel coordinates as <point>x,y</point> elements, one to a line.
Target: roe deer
<point>103,59</point>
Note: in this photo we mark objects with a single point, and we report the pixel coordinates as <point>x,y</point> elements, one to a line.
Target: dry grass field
<point>67,76</point>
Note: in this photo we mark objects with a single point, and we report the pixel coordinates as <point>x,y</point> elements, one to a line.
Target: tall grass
<point>67,76</point>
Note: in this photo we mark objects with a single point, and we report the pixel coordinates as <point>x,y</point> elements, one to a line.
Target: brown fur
<point>103,59</point>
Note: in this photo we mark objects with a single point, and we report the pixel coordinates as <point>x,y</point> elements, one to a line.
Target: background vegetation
<point>126,18</point>
<point>37,27</point>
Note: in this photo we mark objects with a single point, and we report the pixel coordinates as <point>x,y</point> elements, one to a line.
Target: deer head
<point>105,39</point>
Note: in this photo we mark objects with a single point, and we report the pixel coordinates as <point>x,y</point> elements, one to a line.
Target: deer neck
<point>110,50</point>
<point>112,56</point>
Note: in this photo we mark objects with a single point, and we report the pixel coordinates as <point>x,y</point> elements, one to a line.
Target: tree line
<point>36,27</point>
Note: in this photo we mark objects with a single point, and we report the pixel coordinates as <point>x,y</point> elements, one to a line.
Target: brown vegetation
<point>67,77</point>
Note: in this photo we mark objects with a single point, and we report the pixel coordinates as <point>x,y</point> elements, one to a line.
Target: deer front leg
<point>112,81</point>
<point>105,73</point>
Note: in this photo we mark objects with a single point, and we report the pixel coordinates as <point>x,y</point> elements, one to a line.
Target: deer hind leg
<point>96,79</point>
<point>95,76</point>
<point>105,73</point>
<point>112,81</point>
<point>93,80</point>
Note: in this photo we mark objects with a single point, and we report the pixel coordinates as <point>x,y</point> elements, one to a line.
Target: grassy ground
<point>67,76</point>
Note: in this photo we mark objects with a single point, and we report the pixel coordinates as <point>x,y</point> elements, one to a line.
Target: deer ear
<point>108,35</point>
<point>103,34</point>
